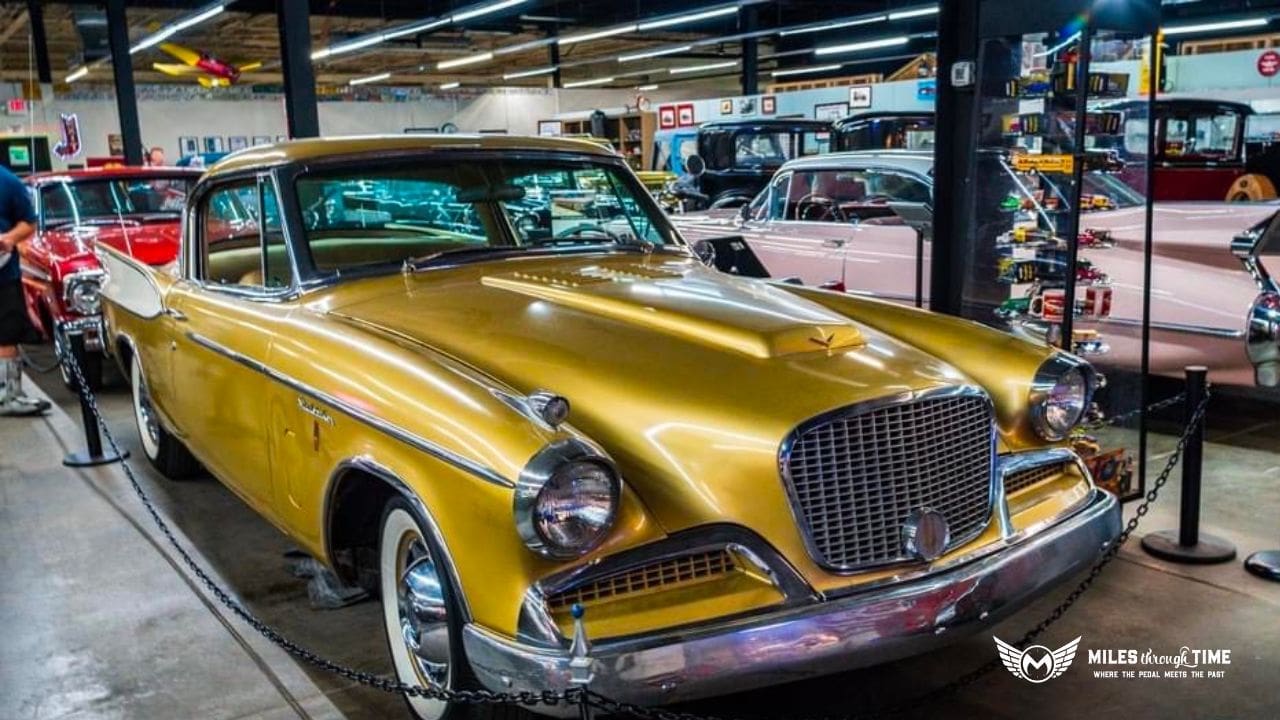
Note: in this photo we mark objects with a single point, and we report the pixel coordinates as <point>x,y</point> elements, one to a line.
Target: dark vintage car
<point>740,156</point>
<point>135,210</point>
<point>885,131</point>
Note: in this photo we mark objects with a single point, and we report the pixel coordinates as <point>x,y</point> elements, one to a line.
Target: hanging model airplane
<point>210,71</point>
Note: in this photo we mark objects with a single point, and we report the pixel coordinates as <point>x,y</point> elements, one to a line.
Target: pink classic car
<point>826,220</point>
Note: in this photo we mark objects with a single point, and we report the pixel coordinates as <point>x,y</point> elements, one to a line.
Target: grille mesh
<point>857,477</point>
<point>662,574</point>
<point>1026,478</point>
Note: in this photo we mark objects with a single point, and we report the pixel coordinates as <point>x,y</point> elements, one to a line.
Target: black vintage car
<point>885,131</point>
<point>740,156</point>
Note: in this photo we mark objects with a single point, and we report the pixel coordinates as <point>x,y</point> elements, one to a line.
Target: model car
<point>136,210</point>
<point>829,218</point>
<point>493,427</point>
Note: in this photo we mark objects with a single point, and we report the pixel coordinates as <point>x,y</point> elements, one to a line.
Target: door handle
<point>833,243</point>
<point>177,315</point>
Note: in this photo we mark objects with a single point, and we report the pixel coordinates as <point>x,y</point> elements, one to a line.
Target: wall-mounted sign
<point>1268,63</point>
<point>667,117</point>
<point>17,106</point>
<point>550,128</point>
<point>726,107</point>
<point>830,111</point>
<point>69,142</point>
<point>684,115</point>
<point>860,96</point>
<point>927,89</point>
<point>19,156</point>
<point>768,105</point>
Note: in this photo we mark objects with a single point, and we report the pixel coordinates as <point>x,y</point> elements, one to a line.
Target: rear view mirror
<point>500,193</point>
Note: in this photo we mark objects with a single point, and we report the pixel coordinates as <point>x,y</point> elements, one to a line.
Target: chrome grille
<point>662,574</point>
<point>855,476</point>
<point>1026,478</point>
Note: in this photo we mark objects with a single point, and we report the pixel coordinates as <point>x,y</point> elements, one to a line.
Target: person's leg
<point>13,326</point>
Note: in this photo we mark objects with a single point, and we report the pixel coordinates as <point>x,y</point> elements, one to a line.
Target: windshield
<point>775,148</point>
<point>80,201</point>
<point>397,213</point>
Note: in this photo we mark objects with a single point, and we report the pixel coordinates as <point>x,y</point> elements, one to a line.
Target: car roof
<point>113,171</point>
<point>775,123</point>
<point>915,161</point>
<point>320,148</point>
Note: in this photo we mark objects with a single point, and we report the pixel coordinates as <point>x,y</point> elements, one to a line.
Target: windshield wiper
<point>436,258</point>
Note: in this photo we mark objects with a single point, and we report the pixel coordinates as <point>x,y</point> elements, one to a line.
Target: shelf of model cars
<point>1033,124</point>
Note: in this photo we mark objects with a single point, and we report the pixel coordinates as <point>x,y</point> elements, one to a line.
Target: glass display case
<point>1053,199</point>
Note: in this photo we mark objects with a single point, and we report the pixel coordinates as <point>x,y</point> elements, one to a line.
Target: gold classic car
<point>487,372</point>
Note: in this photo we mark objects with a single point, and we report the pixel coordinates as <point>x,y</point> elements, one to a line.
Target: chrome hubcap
<point>424,621</point>
<point>146,414</point>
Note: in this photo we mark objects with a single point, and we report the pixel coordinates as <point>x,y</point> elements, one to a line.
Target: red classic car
<point>135,210</point>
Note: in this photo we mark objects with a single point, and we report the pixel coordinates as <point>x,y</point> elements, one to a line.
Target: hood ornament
<point>823,338</point>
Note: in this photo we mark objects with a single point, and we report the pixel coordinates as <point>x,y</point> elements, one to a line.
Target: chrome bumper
<point>857,630</point>
<point>89,328</point>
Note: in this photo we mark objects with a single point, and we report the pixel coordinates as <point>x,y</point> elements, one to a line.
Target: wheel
<point>1251,188</point>
<point>422,620</point>
<point>165,452</point>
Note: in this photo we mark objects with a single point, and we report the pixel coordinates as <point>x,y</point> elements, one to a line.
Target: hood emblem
<point>925,534</point>
<point>823,339</point>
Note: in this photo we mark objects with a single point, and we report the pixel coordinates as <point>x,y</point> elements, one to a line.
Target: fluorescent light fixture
<point>700,68</point>
<point>834,25</point>
<point>413,29</point>
<point>356,44</point>
<point>646,88</point>
<point>451,85</point>
<point>588,83</point>
<point>468,60</point>
<point>485,10</point>
<point>529,73</point>
<point>918,12</point>
<point>805,70</point>
<point>865,45</point>
<point>77,73</point>
<point>690,18</point>
<point>1211,27</point>
<point>369,79</point>
<point>189,21</point>
<point>655,53</point>
<point>596,35</point>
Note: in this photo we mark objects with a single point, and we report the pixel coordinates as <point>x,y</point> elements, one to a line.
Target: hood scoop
<point>684,300</point>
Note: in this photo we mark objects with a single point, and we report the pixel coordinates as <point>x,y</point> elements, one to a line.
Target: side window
<point>241,241</point>
<point>778,197</point>
<point>56,205</point>
<point>885,186</point>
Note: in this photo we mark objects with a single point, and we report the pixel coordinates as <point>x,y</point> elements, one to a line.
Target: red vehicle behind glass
<point>136,210</point>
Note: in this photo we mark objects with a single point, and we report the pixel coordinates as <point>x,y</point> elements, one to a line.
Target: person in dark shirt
<point>17,223</point>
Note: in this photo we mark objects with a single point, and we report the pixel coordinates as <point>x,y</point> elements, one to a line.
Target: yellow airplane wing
<point>186,55</point>
<point>249,67</point>
<point>176,70</point>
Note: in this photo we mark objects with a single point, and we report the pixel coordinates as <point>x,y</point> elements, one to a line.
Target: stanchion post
<point>1187,544</point>
<point>93,454</point>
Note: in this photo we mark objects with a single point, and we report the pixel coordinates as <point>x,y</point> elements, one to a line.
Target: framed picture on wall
<point>860,96</point>
<point>115,144</point>
<point>684,115</point>
<point>726,107</point>
<point>188,146</point>
<point>550,128</point>
<point>667,117</point>
<point>261,140</point>
<point>214,144</point>
<point>830,111</point>
<point>237,142</point>
<point>768,105</point>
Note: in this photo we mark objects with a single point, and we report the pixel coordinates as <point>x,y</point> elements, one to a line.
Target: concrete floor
<point>100,621</point>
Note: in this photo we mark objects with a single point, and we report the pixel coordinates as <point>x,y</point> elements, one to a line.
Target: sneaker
<point>22,406</point>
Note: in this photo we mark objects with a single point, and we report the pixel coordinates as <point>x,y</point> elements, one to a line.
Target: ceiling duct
<point>91,26</point>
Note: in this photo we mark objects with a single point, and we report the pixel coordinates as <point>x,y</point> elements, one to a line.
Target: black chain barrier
<point>583,698</point>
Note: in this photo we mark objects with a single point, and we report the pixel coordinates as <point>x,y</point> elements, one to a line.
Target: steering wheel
<point>581,229</point>
<point>818,208</point>
<point>875,199</point>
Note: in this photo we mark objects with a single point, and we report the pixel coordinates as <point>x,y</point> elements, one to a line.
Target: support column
<point>953,148</point>
<point>126,94</point>
<point>749,17</point>
<point>553,55</point>
<point>35,13</point>
<point>301,114</point>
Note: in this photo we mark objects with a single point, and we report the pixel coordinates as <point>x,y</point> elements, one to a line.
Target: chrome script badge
<point>1037,663</point>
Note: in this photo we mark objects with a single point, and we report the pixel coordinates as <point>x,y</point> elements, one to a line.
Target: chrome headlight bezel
<point>90,281</point>
<point>1051,373</point>
<point>546,465</point>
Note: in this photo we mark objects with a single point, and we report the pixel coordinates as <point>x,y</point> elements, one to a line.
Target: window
<point>81,202</point>
<point>395,211</point>
<point>1201,135</point>
<point>778,196</point>
<point>240,250</point>
<point>844,195</point>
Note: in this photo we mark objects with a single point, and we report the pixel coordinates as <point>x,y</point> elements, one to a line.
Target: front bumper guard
<point>857,630</point>
<point>90,328</point>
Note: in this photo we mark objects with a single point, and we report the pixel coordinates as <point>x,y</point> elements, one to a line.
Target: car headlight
<point>82,291</point>
<point>1060,396</point>
<point>566,499</point>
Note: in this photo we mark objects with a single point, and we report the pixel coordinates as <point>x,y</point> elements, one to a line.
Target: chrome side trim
<point>788,444</point>
<point>1176,327</point>
<point>440,453</point>
<point>387,475</point>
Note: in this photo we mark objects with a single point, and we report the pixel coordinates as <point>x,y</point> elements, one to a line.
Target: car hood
<point>153,243</point>
<point>689,378</point>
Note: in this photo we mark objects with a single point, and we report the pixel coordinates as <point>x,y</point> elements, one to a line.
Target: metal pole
<point>126,93</point>
<point>1187,544</point>
<point>93,453</point>
<point>1078,154</point>
<point>39,41</point>
<point>919,267</point>
<point>1147,248</point>
<point>748,20</point>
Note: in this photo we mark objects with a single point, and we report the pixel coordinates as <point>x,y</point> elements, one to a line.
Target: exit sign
<point>17,106</point>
